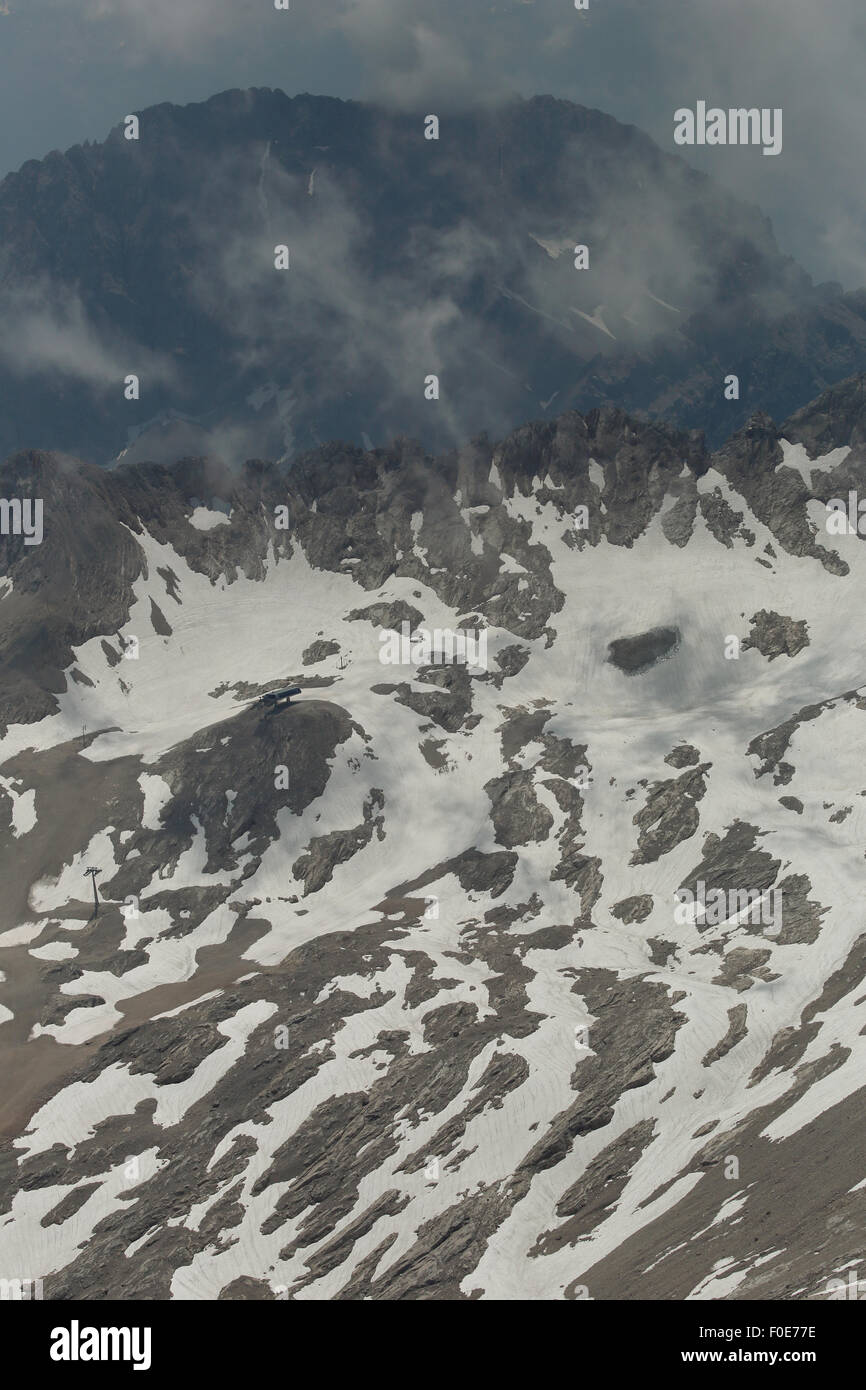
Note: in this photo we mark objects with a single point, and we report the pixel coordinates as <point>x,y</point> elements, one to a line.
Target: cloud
<point>410,52</point>
<point>345,328</point>
<point>46,330</point>
<point>403,51</point>
<point>188,29</point>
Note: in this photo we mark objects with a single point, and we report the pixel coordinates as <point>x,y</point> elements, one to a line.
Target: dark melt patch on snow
<point>634,655</point>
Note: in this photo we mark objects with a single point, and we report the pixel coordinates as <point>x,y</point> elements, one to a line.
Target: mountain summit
<point>534,258</point>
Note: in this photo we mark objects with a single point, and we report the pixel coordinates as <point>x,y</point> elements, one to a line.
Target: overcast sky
<point>71,69</point>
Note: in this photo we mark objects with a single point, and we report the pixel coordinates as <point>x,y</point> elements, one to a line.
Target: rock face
<point>670,815</point>
<point>409,989</point>
<point>157,258</point>
<point>318,651</point>
<point>774,635</point>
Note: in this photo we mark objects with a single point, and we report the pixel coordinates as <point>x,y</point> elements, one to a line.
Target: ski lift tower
<point>93,873</point>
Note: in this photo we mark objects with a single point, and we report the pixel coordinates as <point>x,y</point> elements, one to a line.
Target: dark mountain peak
<point>752,452</point>
<point>433,287</point>
<point>835,420</point>
<point>30,470</point>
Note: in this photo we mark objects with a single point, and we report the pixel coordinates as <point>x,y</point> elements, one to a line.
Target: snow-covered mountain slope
<point>402,991</point>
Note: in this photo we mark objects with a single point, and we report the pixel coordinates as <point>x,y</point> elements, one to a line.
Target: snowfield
<point>421,1022</point>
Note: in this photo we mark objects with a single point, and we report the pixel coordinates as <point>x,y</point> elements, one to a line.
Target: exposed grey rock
<point>511,660</point>
<point>158,620</point>
<point>229,756</point>
<point>772,745</point>
<point>515,810</point>
<point>598,1190</point>
<point>660,951</point>
<point>773,635</point>
<point>70,1204</point>
<point>750,461</point>
<point>625,1056</point>
<point>679,520</point>
<point>430,748</point>
<point>683,756</point>
<point>741,966</point>
<point>316,867</point>
<point>387,615</point>
<point>245,1290</point>
<point>488,873</point>
<point>449,706</point>
<point>503,1074</point>
<point>521,728</point>
<point>670,814</point>
<point>736,1032</point>
<point>635,909</point>
<point>318,651</point>
<point>801,917</point>
<point>733,862</point>
<point>722,521</point>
